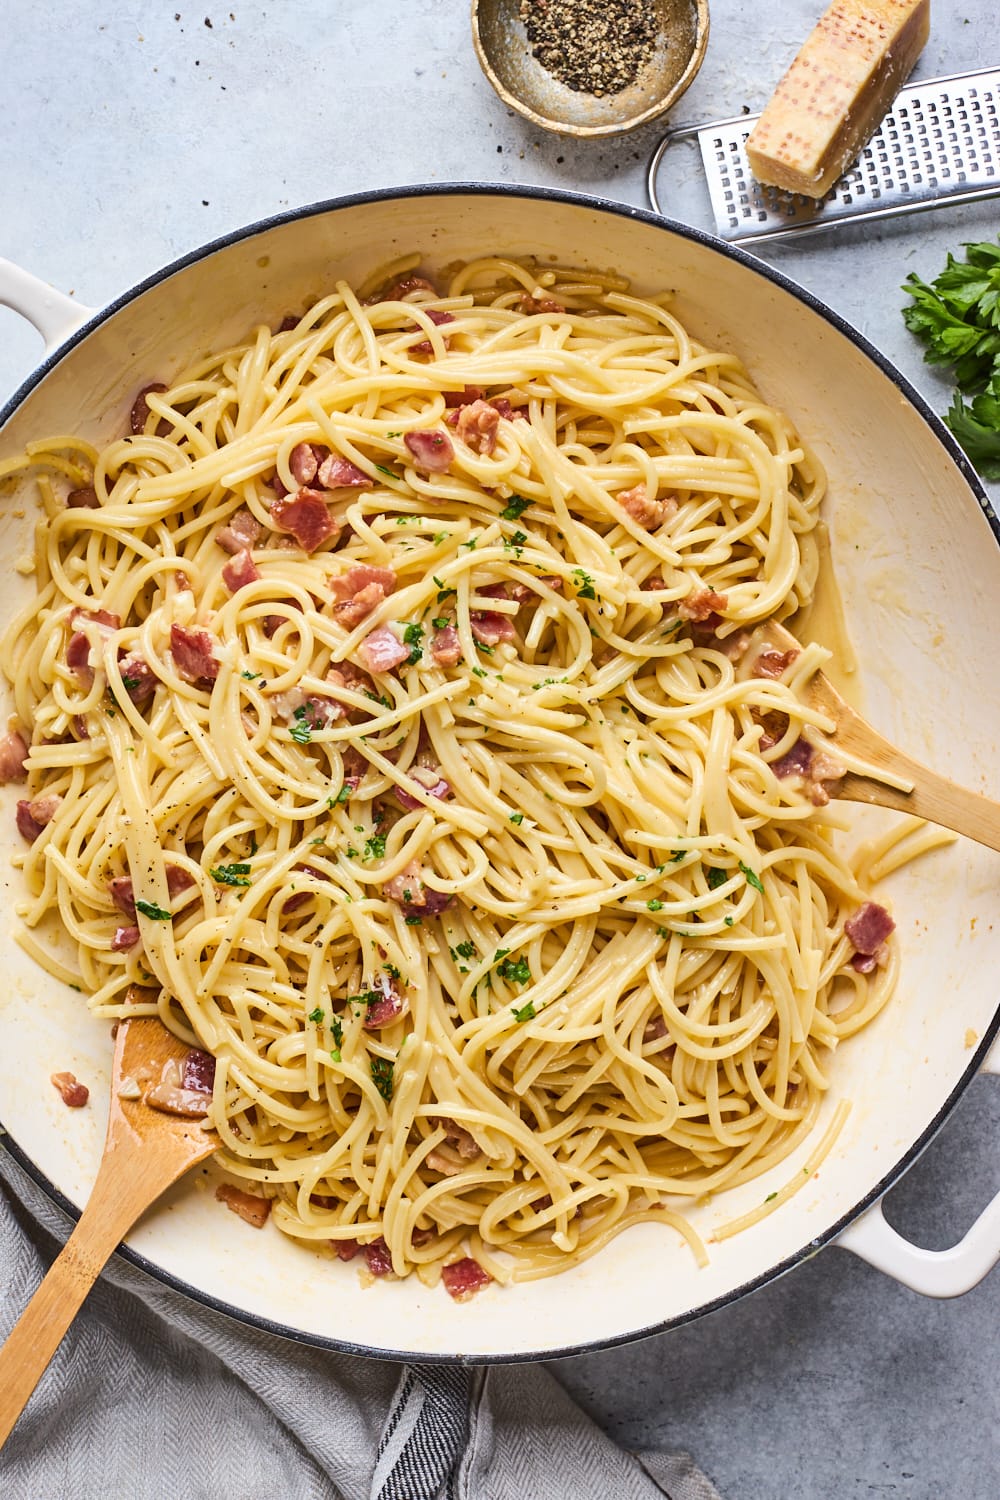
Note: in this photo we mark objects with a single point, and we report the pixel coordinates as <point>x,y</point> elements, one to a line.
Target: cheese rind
<point>836,92</point>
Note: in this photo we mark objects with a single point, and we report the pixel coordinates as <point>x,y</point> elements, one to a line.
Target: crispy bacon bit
<point>85,498</point>
<point>433,783</point>
<point>388,1008</point>
<point>346,1249</point>
<point>106,621</point>
<point>249,1206</point>
<point>122,893</point>
<point>198,1071</point>
<point>461,1139</point>
<point>773,663</point>
<point>139,415</point>
<point>529,304</point>
<point>352,611</point>
<point>464,397</point>
<point>138,678</point>
<point>124,938</point>
<point>439,319</point>
<point>813,766</point>
<point>464,1278</point>
<point>654,1029</point>
<point>336,473</point>
<point>172,1097</point>
<point>33,816</point>
<point>243,530</point>
<point>555,583</point>
<point>477,426</point>
<point>795,762</point>
<point>701,604</point>
<point>306,516</point>
<point>489,627</point>
<point>378,1257</point>
<point>304,460</point>
<point>355,765</point>
<point>288,323</point>
<point>359,576</point>
<point>446,648</point>
<point>644,510</point>
<point>13,755</point>
<point>73,1094</point>
<point>431,450</point>
<point>240,571</point>
<point>407,889</point>
<point>867,931</point>
<point>78,655</point>
<point>193,655</point>
<point>382,650</point>
<point>313,709</point>
<point>406,287</point>
<point>274,622</point>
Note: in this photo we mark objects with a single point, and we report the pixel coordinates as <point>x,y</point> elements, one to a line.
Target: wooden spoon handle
<point>933,797</point>
<point>118,1198</point>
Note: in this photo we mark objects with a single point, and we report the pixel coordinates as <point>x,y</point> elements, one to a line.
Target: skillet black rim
<point>944,436</point>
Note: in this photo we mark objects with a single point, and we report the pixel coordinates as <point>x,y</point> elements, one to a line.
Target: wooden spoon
<point>145,1151</point>
<point>931,796</point>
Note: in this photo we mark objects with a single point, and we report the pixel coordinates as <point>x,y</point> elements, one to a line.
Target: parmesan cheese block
<point>836,92</point>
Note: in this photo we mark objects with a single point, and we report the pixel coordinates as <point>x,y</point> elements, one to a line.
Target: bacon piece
<point>446,648</point>
<point>73,1093</point>
<point>121,890</point>
<point>193,655</point>
<point>795,762</point>
<point>33,816</point>
<point>355,765</point>
<point>477,426</point>
<point>773,663</point>
<point>433,783</point>
<point>432,450</point>
<point>404,288</point>
<point>654,1029</point>
<point>124,938</point>
<point>464,397</point>
<point>13,755</point>
<point>439,319</point>
<point>78,655</point>
<point>868,929</point>
<point>489,627</point>
<point>644,510</point>
<point>242,530</point>
<point>359,576</point>
<point>346,1249</point>
<point>701,604</point>
<point>352,611</point>
<point>378,1257</point>
<point>508,412</point>
<point>336,473</point>
<point>306,517</point>
<point>240,571</point>
<point>106,621</point>
<point>529,304</point>
<point>288,323</point>
<point>198,1071</point>
<point>249,1206</point>
<point>274,622</point>
<point>389,1007</point>
<point>85,498</point>
<point>138,678</point>
<point>554,582</point>
<point>314,709</point>
<point>382,650</point>
<point>139,415</point>
<point>407,889</point>
<point>304,460</point>
<point>464,1278</point>
<point>461,1139</point>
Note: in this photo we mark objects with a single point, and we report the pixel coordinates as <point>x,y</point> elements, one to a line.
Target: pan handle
<point>54,314</point>
<point>934,1273</point>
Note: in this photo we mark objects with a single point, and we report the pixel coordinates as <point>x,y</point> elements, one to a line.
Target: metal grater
<point>940,143</point>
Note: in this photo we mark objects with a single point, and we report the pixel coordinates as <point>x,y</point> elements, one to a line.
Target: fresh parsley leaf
<point>751,878</point>
<point>375,846</point>
<point>586,586</point>
<point>676,855</point>
<point>438,538</point>
<point>316,1015</point>
<point>479,672</point>
<point>515,508</point>
<point>381,1070</point>
<point>392,971</point>
<point>516,971</point>
<point>343,795</point>
<point>413,634</point>
<point>335,1054</point>
<point>517,818</point>
<point>728,921</point>
<point>663,932</point>
<point>237,874</point>
<point>337,1027</point>
<point>977,427</point>
<point>654,905</point>
<point>465,950</point>
<point>715,877</point>
<point>152,911</point>
<point>413,921</point>
<point>441,622</point>
<point>525,1012</point>
<point>770,1197</point>
<point>300,729</point>
<point>394,434</point>
<point>249,676</point>
<point>389,473</point>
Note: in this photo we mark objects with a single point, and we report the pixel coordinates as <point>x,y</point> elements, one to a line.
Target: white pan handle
<point>934,1273</point>
<point>54,314</point>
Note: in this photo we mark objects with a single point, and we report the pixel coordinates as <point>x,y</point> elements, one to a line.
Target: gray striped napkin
<point>152,1395</point>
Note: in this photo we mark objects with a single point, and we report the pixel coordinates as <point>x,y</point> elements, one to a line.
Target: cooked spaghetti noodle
<point>396,740</point>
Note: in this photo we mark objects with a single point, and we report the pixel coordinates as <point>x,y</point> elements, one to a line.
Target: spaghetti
<point>396,739</point>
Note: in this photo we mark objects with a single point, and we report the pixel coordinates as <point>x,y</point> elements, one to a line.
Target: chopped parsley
<point>301,730</point>
<point>413,634</point>
<point>335,1054</point>
<point>525,1012</point>
<point>676,855</point>
<point>441,622</point>
<point>394,434</point>
<point>752,879</point>
<point>375,846</point>
<point>439,537</point>
<point>130,682</point>
<point>392,971</point>
<point>336,1026</point>
<point>152,911</point>
<point>515,508</point>
<point>316,1015</point>
<point>479,672</point>
<point>654,905</point>
<point>341,797</point>
<point>517,818</point>
<point>382,1070</point>
<point>413,921</point>
<point>770,1197</point>
<point>487,650</point>
<point>389,473</point>
<point>663,932</point>
<point>728,921</point>
<point>464,950</point>
<point>715,877</point>
<point>248,676</point>
<point>516,972</point>
<point>586,588</point>
<point>237,874</point>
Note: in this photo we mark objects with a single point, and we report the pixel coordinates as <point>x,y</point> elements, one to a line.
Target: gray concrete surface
<point>130,134</point>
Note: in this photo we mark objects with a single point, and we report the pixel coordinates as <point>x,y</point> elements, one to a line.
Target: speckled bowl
<point>505,57</point>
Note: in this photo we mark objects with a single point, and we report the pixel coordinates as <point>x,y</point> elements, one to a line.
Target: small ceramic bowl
<point>505,57</point>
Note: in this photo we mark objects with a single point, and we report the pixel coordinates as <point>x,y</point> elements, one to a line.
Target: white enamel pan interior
<point>917,553</point>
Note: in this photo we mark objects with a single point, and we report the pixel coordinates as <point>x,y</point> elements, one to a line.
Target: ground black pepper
<point>593,46</point>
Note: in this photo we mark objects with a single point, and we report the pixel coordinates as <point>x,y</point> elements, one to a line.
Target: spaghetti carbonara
<point>397,736</point>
